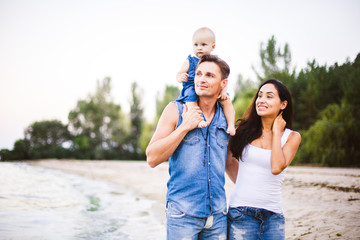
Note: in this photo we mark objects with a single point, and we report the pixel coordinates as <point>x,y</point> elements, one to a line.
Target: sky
<point>53,53</point>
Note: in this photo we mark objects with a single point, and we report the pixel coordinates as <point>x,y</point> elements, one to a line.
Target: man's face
<point>208,80</point>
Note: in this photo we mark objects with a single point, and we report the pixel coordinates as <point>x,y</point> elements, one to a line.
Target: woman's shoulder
<point>292,132</point>
<point>294,136</point>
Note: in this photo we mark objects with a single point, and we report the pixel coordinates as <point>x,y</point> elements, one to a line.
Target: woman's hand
<point>279,124</point>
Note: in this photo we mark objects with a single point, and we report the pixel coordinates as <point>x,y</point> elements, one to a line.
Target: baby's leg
<point>229,112</point>
<point>195,104</point>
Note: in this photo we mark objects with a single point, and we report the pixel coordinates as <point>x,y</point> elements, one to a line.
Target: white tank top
<point>255,185</point>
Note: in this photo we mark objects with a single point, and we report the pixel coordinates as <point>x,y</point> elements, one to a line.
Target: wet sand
<point>319,203</point>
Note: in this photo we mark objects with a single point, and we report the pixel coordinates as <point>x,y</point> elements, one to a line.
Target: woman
<point>260,151</point>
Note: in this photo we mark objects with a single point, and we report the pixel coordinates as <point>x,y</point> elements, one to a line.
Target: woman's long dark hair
<point>249,127</point>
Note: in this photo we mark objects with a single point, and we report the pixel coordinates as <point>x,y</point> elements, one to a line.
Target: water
<point>38,203</point>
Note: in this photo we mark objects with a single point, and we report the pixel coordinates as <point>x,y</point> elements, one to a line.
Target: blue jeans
<point>181,226</point>
<point>255,223</point>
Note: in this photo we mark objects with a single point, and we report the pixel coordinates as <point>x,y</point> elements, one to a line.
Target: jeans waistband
<point>256,212</point>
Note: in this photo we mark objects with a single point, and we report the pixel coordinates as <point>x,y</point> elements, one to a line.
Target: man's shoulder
<point>171,106</point>
<point>169,117</point>
<point>171,111</point>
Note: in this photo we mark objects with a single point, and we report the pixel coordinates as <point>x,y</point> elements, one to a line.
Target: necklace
<point>263,135</point>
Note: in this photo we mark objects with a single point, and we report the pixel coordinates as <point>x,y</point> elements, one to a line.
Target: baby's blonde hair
<point>206,31</point>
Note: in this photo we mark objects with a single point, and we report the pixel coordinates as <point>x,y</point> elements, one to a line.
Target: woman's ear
<point>283,105</point>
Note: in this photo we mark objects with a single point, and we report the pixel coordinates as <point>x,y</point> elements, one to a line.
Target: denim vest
<point>197,168</point>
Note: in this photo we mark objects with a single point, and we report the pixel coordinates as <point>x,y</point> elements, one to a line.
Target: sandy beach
<point>319,203</point>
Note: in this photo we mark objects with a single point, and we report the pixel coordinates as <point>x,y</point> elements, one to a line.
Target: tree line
<point>97,128</point>
<point>324,97</point>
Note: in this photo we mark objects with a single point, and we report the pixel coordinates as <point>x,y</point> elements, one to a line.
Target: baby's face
<point>202,45</point>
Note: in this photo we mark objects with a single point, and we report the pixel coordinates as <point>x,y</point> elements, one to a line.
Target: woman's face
<point>268,102</point>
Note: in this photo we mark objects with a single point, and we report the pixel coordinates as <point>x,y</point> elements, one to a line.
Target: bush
<point>333,139</point>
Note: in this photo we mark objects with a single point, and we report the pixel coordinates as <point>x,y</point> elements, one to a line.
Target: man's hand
<point>191,117</point>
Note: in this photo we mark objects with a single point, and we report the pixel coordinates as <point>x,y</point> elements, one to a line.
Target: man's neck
<point>208,107</point>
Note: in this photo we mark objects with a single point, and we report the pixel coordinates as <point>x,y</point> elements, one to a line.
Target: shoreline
<point>318,202</point>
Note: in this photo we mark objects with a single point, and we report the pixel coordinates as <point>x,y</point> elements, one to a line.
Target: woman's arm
<point>282,157</point>
<point>232,166</point>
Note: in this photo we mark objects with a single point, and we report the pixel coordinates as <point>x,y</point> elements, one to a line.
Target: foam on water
<point>39,203</point>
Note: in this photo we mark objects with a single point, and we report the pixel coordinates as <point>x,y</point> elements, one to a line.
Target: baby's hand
<point>182,77</point>
<point>223,96</point>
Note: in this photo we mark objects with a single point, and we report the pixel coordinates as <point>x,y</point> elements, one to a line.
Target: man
<point>196,201</point>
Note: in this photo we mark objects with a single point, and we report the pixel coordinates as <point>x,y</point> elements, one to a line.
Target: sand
<point>319,203</point>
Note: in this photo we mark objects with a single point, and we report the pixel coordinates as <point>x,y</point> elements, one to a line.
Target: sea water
<point>39,203</point>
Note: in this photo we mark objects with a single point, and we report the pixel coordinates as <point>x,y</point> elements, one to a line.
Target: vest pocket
<point>191,138</point>
<point>222,137</point>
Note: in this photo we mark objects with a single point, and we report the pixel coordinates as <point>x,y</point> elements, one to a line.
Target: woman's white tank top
<point>255,185</point>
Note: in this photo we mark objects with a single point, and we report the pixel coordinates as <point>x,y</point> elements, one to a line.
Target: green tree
<point>44,139</point>
<point>349,80</point>
<point>21,149</point>
<point>137,119</point>
<point>5,155</point>
<point>333,139</point>
<point>162,100</point>
<point>146,135</point>
<point>49,132</point>
<point>244,93</point>
<point>318,86</point>
<point>82,147</point>
<point>329,114</point>
<point>275,62</point>
<point>97,124</point>
<point>305,91</point>
<point>170,94</point>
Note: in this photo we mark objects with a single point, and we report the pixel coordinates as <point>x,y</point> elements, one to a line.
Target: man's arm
<point>166,138</point>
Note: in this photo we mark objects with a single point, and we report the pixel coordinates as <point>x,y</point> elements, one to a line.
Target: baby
<point>203,44</point>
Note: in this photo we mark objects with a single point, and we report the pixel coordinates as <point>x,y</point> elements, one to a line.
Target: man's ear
<point>224,83</point>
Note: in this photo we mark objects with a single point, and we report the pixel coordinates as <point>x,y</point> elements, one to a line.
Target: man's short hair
<point>224,67</point>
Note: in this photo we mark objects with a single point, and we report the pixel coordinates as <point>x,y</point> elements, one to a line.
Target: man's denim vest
<point>197,168</point>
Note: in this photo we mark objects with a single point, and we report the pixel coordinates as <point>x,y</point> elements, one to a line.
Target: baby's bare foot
<point>231,130</point>
<point>202,124</point>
